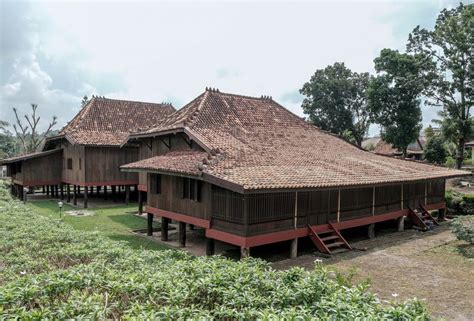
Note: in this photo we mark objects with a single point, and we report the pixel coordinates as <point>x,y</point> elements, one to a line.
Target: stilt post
<point>210,246</point>
<point>149,224</point>
<point>164,229</point>
<point>182,234</point>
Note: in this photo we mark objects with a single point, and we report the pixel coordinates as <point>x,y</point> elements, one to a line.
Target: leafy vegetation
<point>394,97</point>
<point>50,270</point>
<point>463,227</point>
<point>336,101</point>
<point>447,52</point>
<point>461,204</point>
<point>435,151</point>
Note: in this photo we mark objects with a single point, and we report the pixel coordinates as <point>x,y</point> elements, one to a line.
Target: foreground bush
<point>463,227</point>
<point>460,204</point>
<point>50,271</point>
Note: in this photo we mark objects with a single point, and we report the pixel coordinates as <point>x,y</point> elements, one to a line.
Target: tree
<point>394,97</point>
<point>28,133</point>
<point>7,141</point>
<point>336,101</point>
<point>84,101</point>
<point>435,150</point>
<point>448,49</point>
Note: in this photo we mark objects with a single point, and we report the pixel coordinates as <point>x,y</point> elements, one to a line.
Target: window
<point>156,183</point>
<point>191,189</point>
<point>69,163</point>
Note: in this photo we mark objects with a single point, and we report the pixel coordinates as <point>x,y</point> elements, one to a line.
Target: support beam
<point>182,234</point>
<point>61,188</point>
<point>25,195</point>
<point>441,214</point>
<point>210,246</point>
<point>85,196</point>
<point>47,190</point>
<point>74,197</point>
<point>127,194</point>
<point>401,224</point>
<point>149,224</point>
<point>114,195</point>
<point>244,252</point>
<point>164,229</point>
<point>140,203</point>
<point>105,192</point>
<point>294,248</point>
<point>44,190</point>
<point>68,193</point>
<point>371,232</point>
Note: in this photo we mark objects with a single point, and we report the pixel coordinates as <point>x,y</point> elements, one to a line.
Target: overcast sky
<point>54,53</point>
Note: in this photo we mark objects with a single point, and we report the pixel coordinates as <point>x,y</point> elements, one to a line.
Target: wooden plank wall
<point>77,154</point>
<point>170,198</point>
<point>102,164</point>
<point>47,168</point>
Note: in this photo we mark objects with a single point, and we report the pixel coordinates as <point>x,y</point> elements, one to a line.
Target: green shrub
<point>450,162</point>
<point>51,271</point>
<point>463,227</point>
<point>458,203</point>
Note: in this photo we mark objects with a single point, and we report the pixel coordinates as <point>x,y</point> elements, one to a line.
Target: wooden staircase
<point>422,218</point>
<point>329,241</point>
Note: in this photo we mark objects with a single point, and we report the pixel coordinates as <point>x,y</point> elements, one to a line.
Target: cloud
<point>54,52</point>
<point>30,75</point>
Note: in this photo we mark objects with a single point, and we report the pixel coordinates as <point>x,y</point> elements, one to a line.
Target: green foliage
<point>450,162</point>
<point>447,57</point>
<point>463,228</point>
<point>52,271</point>
<point>336,101</point>
<point>460,204</point>
<point>8,146</point>
<point>435,151</point>
<point>394,97</point>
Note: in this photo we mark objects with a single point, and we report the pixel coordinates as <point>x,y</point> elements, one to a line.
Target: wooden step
<point>334,244</point>
<point>329,238</point>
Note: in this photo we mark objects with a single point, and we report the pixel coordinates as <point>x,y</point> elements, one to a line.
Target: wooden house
<point>250,173</point>
<point>92,147</point>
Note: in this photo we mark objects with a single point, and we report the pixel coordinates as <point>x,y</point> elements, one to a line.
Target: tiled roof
<point>185,162</point>
<point>108,122</point>
<point>28,156</point>
<point>255,143</point>
<point>384,148</point>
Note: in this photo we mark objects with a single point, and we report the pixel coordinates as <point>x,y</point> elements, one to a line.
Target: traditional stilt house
<point>89,150</point>
<point>250,173</point>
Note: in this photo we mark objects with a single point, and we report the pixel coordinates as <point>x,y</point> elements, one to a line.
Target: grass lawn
<point>114,222</point>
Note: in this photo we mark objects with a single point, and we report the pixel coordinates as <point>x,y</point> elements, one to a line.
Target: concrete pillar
<point>210,246</point>
<point>25,195</point>
<point>294,248</point>
<point>244,252</point>
<point>371,232</point>
<point>164,229</point>
<point>441,214</point>
<point>401,224</point>
<point>182,234</point>
<point>149,224</point>
<point>140,203</point>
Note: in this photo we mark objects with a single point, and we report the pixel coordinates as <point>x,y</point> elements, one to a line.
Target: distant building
<point>379,146</point>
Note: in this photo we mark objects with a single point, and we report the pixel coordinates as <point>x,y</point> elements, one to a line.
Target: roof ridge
<point>192,117</point>
<point>217,91</point>
<point>133,101</point>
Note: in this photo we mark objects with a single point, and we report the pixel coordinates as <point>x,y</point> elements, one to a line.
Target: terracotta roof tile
<point>185,162</point>
<point>28,156</point>
<point>108,122</point>
<point>259,144</point>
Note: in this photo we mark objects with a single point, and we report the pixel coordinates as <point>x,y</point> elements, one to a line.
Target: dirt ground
<point>410,264</point>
